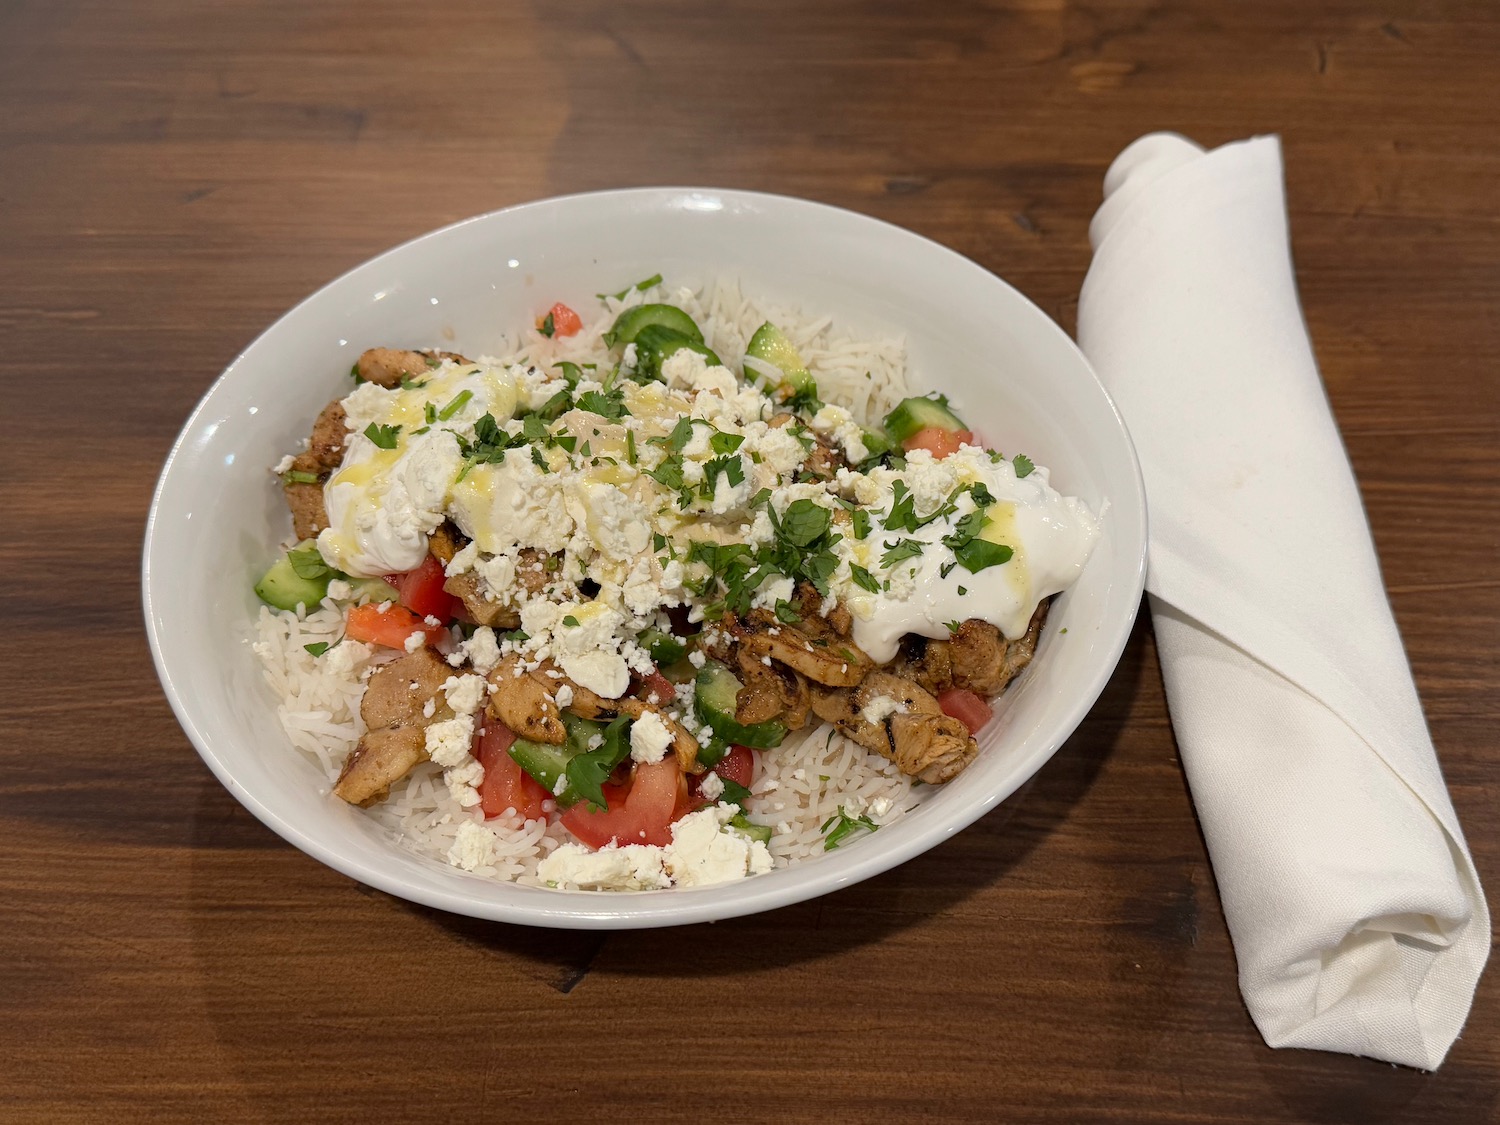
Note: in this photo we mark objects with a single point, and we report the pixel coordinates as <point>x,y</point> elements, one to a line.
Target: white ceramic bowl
<point>1013,374</point>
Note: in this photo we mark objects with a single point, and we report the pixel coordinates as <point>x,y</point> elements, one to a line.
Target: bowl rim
<point>676,906</point>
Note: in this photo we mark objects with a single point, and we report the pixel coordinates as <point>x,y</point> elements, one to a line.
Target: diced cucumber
<point>372,590</point>
<point>546,763</point>
<point>664,648</point>
<point>912,415</point>
<point>877,443</point>
<point>283,588</point>
<point>712,752</point>
<point>628,324</point>
<point>769,345</point>
<point>655,343</point>
<point>742,823</point>
<point>714,700</point>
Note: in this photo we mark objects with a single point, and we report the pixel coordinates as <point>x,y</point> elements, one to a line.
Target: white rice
<point>813,776</point>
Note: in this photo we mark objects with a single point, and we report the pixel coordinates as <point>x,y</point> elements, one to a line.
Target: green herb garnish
<point>383,436</point>
<point>844,826</point>
<point>1023,465</point>
<point>588,772</point>
<point>458,403</point>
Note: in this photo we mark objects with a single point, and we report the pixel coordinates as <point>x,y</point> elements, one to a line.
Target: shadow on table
<point>871,911</point>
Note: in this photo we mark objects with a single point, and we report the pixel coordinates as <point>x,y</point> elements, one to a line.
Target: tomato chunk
<point>422,591</point>
<point>640,813</point>
<point>966,707</point>
<point>937,441</point>
<point>738,766</point>
<point>506,785</point>
<point>565,322</point>
<point>388,625</point>
<point>656,688</point>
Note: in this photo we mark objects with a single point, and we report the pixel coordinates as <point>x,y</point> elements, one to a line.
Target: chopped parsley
<point>317,649</point>
<point>307,562</point>
<point>547,327</point>
<point>570,621</point>
<point>606,404</point>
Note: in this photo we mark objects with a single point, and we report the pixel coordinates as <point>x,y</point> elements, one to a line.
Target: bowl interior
<point>1010,371</point>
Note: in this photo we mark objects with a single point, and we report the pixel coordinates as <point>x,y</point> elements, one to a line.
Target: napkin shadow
<point>907,897</point>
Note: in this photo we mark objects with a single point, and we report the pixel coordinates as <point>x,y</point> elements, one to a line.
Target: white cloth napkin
<point>1356,913</point>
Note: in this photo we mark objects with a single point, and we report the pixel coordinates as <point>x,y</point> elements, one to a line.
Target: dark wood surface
<point>174,176</point>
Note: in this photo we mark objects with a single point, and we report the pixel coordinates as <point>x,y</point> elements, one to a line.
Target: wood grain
<point>173,176</point>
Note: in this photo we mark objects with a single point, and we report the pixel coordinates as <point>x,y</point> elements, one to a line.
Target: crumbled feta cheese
<point>711,786</point>
<point>482,650</point>
<point>339,590</point>
<point>415,641</point>
<point>448,742</point>
<point>635,867</point>
<point>649,738</point>
<point>696,659</point>
<point>564,696</point>
<point>473,846</point>
<point>465,694</point>
<point>702,852</point>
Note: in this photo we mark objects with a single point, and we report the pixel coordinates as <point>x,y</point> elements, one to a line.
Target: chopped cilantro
<point>383,436</point>
<point>954,626</point>
<point>606,404</point>
<point>307,562</point>
<point>571,373</point>
<point>538,460</point>
<point>900,551</point>
<point>547,327</point>
<point>1023,465</point>
<point>844,826</point>
<point>980,554</point>
<point>803,521</point>
<point>317,649</point>
<point>410,384</point>
<point>863,577</point>
<point>734,793</point>
<point>570,621</point>
<point>787,613</point>
<point>962,590</point>
<point>861,520</point>
<point>588,772</point>
<point>729,466</point>
<point>726,443</point>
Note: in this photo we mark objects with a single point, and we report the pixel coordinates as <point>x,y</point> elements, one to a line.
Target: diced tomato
<point>565,322</point>
<point>422,591</point>
<point>640,813</point>
<point>389,625</point>
<point>966,707</point>
<point>658,686</point>
<point>738,766</point>
<point>506,785</point>
<point>937,441</point>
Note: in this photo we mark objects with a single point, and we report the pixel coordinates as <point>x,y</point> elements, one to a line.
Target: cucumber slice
<point>628,324</point>
<point>283,588</point>
<point>714,700</point>
<point>655,343</point>
<point>664,648</point>
<point>769,345</point>
<point>712,752</point>
<point>914,414</point>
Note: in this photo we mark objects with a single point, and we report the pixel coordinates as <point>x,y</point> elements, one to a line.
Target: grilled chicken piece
<point>585,704</point>
<point>387,366</point>
<point>811,648</point>
<point>771,691</point>
<point>823,462</point>
<point>525,701</point>
<point>976,658</point>
<point>470,588</point>
<point>922,741</point>
<point>393,705</point>
<point>324,453</point>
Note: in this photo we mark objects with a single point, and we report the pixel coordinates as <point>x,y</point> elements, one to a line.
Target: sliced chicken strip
<point>394,709</point>
<point>911,730</point>
<point>388,366</point>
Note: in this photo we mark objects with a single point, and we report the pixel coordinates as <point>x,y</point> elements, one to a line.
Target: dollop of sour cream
<point>1050,537</point>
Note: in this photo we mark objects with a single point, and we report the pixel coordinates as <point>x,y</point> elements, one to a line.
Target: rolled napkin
<point>1357,916</point>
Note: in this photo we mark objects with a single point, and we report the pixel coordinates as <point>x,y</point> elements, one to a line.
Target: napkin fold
<point>1356,913</point>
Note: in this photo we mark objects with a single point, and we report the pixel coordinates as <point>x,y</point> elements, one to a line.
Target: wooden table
<point>173,176</point>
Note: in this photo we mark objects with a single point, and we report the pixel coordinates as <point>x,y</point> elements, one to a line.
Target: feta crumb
<point>465,694</point>
<point>448,742</point>
<point>634,867</point>
<point>415,641</point>
<point>697,659</point>
<point>564,696</point>
<point>339,590</point>
<point>649,738</point>
<point>711,786</point>
<point>473,846</point>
